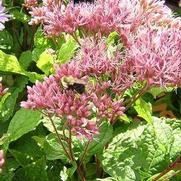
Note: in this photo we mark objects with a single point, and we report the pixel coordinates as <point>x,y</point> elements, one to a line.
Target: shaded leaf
<point>8,106</point>
<point>20,16</point>
<point>34,171</point>
<point>25,59</point>
<point>25,150</point>
<point>104,136</point>
<point>6,40</point>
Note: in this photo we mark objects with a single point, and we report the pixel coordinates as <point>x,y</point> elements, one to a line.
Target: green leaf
<point>105,134</point>
<point>8,106</point>
<point>106,179</point>
<point>125,118</point>
<point>41,43</point>
<point>53,170</point>
<point>68,172</point>
<point>23,122</point>
<point>25,59</point>
<point>57,121</point>
<point>91,171</point>
<point>9,63</point>
<point>67,50</point>
<point>6,40</point>
<point>3,99</point>
<point>144,110</point>
<point>34,171</point>
<point>53,149</point>
<point>142,150</point>
<point>20,16</point>
<point>112,38</point>
<point>25,150</point>
<point>155,91</point>
<point>9,169</point>
<point>45,62</point>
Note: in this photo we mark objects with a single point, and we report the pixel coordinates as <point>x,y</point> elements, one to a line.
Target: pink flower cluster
<point>4,17</point>
<point>100,17</point>
<point>50,97</point>
<point>155,56</point>
<point>79,109</point>
<point>151,52</point>
<point>94,59</point>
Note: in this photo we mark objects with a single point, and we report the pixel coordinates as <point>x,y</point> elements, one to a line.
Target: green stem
<point>59,138</point>
<point>70,145</point>
<point>84,153</point>
<point>76,39</point>
<point>175,164</point>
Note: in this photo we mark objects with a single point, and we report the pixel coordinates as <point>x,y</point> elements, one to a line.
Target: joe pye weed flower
<point>100,72</point>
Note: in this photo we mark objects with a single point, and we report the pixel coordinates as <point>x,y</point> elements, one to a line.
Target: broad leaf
<point>9,169</point>
<point>45,62</point>
<point>41,43</point>
<point>67,50</point>
<point>8,106</point>
<point>25,59</point>
<point>9,63</point>
<point>144,110</point>
<point>104,136</point>
<point>155,91</point>
<point>53,149</point>
<point>57,121</point>
<point>142,150</point>
<point>34,171</point>
<point>23,121</point>
<point>66,174</point>
<point>6,40</point>
<point>25,150</point>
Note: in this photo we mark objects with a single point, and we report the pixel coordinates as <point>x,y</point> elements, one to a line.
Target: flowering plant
<point>98,65</point>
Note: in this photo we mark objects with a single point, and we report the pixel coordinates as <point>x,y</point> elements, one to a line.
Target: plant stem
<point>70,145</point>
<point>80,173</point>
<point>84,153</point>
<point>79,170</point>
<point>175,164</point>
<point>59,138</point>
<point>76,39</point>
<point>99,170</point>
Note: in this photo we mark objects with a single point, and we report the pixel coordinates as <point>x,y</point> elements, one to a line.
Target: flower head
<point>156,56</point>
<point>3,16</point>
<point>102,17</point>
<point>91,66</point>
<point>94,59</point>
